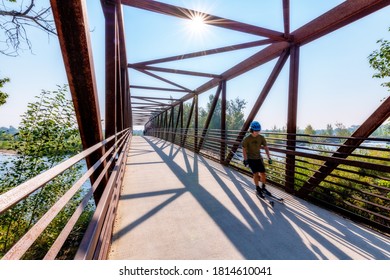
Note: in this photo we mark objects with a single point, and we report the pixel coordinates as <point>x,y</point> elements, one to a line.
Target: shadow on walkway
<point>194,208</point>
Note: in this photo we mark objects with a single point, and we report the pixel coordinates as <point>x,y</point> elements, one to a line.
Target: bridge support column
<point>76,48</point>
<point>292,118</point>
<point>223,122</point>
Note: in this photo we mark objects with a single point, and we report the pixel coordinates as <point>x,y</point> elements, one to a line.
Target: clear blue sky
<point>335,82</point>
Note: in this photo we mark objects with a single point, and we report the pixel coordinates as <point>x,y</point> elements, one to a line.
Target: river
<point>7,157</point>
<point>4,157</point>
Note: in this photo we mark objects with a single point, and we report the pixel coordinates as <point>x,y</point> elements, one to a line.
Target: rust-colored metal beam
<point>119,92</point>
<point>208,52</point>
<point>209,117</point>
<point>124,116</point>
<point>159,88</point>
<point>154,98</point>
<point>261,57</point>
<point>122,37</point>
<point>166,9</point>
<point>345,13</point>
<point>196,122</point>
<point>259,102</point>
<point>292,117</point>
<point>170,124</point>
<point>222,153</point>
<point>148,104</point>
<point>173,71</point>
<point>286,18</point>
<point>109,10</point>
<point>76,49</point>
<point>179,121</point>
<point>162,79</point>
<point>188,121</point>
<point>378,117</point>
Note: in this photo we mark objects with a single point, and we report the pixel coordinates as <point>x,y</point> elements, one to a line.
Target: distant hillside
<point>9,130</point>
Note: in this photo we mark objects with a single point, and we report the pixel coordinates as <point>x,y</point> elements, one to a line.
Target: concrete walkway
<point>177,205</point>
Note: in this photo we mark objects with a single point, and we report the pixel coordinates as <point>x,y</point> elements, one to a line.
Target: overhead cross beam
<point>207,52</point>
<point>162,79</point>
<point>162,8</point>
<point>173,71</point>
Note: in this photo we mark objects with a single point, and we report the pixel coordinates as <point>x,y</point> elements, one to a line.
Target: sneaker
<point>264,190</point>
<point>259,192</point>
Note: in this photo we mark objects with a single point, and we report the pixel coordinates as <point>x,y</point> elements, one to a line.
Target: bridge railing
<point>346,174</point>
<point>108,170</point>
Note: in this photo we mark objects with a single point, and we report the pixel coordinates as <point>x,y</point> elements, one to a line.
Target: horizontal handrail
<point>88,244</point>
<point>20,192</point>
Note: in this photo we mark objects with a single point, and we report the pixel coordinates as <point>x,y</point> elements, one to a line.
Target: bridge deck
<point>177,205</point>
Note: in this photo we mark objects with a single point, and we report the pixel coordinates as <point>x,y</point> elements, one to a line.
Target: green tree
<point>234,114</point>
<point>309,130</point>
<point>380,61</point>
<point>329,130</point>
<point>48,134</point>
<point>215,122</point>
<point>186,115</point>
<point>3,95</point>
<point>341,130</point>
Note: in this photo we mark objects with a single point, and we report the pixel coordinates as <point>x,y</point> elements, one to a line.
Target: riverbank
<point>7,152</point>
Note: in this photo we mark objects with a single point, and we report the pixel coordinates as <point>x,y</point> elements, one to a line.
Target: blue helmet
<point>255,126</point>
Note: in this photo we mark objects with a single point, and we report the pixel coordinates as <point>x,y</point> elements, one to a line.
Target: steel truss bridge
<point>348,176</point>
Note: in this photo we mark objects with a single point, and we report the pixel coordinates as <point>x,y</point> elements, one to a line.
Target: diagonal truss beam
<point>381,114</point>
<point>209,117</point>
<point>208,52</point>
<point>173,71</point>
<point>152,103</point>
<point>340,16</point>
<point>153,98</point>
<point>162,79</point>
<point>261,57</point>
<point>166,9</point>
<point>159,88</point>
<point>148,105</point>
<point>259,102</point>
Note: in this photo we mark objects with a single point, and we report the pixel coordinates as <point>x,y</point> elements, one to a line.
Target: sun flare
<point>197,25</point>
<point>198,22</point>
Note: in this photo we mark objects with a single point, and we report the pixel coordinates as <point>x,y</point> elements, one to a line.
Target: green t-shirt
<point>252,145</point>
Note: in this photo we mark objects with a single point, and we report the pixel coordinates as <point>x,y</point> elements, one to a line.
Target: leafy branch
<point>380,61</point>
<point>3,95</point>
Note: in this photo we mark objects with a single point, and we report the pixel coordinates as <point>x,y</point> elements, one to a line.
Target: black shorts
<point>256,165</point>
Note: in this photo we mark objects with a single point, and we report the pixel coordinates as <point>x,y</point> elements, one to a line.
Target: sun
<point>197,26</point>
<point>197,23</point>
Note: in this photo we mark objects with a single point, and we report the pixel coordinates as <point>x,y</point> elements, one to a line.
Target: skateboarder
<point>252,157</point>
